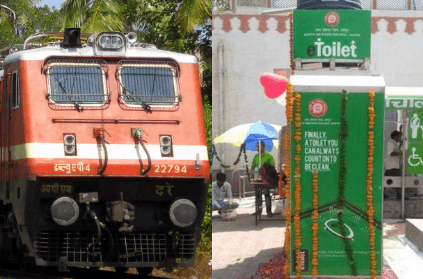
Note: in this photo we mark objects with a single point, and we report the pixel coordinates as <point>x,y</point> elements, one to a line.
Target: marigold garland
<point>369,182</point>
<point>315,225</point>
<point>297,184</point>
<point>287,244</point>
<point>241,149</point>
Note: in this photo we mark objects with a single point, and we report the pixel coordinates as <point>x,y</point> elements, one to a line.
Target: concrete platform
<point>399,253</point>
<point>240,247</point>
<point>414,232</point>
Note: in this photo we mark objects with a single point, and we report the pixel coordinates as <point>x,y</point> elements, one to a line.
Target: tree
<point>172,25</point>
<point>93,16</point>
<point>29,20</point>
<point>168,24</point>
<point>192,13</point>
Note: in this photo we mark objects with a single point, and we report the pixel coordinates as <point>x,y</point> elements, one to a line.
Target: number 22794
<point>170,169</point>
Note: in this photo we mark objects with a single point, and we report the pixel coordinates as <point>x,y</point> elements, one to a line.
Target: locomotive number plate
<point>170,169</point>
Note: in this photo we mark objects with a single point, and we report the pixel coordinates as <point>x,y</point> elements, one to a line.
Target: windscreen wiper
<point>76,104</point>
<point>142,103</point>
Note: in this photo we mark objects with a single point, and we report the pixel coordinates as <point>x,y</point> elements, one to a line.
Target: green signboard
<point>343,233</point>
<point>321,35</point>
<point>404,103</point>
<point>415,143</point>
<point>415,158</point>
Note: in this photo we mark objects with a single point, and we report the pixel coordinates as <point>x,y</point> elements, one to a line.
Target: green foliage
<point>155,22</point>
<point>93,16</point>
<point>192,13</point>
<point>29,20</point>
<point>206,226</point>
<point>7,37</point>
<point>207,111</point>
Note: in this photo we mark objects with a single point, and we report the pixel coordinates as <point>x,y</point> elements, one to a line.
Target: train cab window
<point>15,91</point>
<point>152,84</point>
<point>76,84</point>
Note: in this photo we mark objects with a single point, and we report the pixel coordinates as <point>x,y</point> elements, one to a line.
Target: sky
<point>51,3</point>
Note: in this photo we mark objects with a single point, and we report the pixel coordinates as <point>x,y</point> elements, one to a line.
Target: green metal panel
<point>321,151</point>
<point>331,34</point>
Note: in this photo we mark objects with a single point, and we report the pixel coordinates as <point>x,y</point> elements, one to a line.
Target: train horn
<point>131,37</point>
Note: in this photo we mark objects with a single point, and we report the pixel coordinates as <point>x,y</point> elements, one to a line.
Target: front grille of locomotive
<point>129,248</point>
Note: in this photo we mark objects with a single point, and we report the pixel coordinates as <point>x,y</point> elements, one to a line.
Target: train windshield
<point>151,84</point>
<point>77,84</point>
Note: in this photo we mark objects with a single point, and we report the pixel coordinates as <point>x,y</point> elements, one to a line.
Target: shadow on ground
<point>246,222</point>
<point>75,273</point>
<point>239,270</point>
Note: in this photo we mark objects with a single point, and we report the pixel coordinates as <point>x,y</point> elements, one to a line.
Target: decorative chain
<point>369,181</point>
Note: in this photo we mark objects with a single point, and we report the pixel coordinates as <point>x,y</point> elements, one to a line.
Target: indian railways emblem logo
<point>317,107</point>
<point>332,19</point>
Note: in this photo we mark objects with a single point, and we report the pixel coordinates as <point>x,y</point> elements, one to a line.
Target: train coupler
<point>170,263</point>
<point>62,264</point>
<point>122,213</point>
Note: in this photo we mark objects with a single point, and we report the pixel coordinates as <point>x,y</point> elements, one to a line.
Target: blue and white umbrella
<point>250,134</point>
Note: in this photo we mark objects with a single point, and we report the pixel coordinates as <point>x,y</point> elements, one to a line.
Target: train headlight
<point>110,41</point>
<point>166,146</point>
<point>105,42</point>
<point>69,141</point>
<point>116,42</point>
<point>65,211</point>
<point>183,213</point>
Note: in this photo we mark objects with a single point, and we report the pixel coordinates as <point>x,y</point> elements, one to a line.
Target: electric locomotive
<point>104,154</point>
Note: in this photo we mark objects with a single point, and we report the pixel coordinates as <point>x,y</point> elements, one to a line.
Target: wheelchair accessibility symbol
<point>415,159</point>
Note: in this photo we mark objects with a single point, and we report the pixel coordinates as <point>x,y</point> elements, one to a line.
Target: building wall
<point>244,47</point>
<point>247,45</point>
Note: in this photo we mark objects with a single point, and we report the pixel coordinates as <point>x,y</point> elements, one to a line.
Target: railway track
<point>13,271</point>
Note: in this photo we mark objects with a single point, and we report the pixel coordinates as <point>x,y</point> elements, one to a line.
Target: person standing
<point>392,162</point>
<point>262,157</point>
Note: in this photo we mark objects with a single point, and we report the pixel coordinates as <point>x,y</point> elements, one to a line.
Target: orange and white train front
<point>104,155</point>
